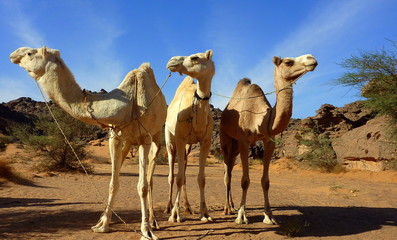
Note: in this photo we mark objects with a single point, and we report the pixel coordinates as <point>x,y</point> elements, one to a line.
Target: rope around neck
<point>265,94</point>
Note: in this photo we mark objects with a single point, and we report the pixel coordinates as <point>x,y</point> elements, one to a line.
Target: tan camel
<point>189,120</point>
<point>135,113</point>
<point>248,117</point>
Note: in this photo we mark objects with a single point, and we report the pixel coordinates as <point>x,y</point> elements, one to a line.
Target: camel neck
<point>282,111</point>
<point>60,86</point>
<point>204,87</point>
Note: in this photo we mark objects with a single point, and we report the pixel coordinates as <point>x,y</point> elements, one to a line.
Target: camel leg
<point>126,149</point>
<point>186,204</point>
<point>143,189</point>
<point>180,179</point>
<point>115,148</point>
<point>204,150</point>
<point>268,148</point>
<point>230,151</point>
<point>245,182</point>
<point>171,162</point>
<point>154,150</point>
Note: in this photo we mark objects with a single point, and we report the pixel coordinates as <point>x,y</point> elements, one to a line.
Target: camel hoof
<point>154,225</point>
<point>241,220</point>
<point>101,229</point>
<point>173,219</point>
<point>188,210</point>
<point>270,220</point>
<point>168,209</point>
<point>206,219</point>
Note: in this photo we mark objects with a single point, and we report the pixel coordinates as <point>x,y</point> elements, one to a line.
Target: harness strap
<point>200,98</point>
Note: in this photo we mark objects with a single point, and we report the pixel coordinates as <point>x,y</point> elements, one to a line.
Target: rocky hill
<point>357,138</point>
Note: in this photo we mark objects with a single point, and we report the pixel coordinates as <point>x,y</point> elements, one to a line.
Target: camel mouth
<point>311,67</point>
<point>15,60</point>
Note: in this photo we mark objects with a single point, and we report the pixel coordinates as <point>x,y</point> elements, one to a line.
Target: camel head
<point>292,68</point>
<point>34,60</point>
<point>199,65</point>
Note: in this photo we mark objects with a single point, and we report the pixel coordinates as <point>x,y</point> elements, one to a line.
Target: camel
<point>249,117</point>
<point>189,120</point>
<point>134,112</point>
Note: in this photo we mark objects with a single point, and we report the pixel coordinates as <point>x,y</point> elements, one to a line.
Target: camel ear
<point>277,61</point>
<point>44,51</point>
<point>208,54</point>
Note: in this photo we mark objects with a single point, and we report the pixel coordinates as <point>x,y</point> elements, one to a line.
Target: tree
<point>374,73</point>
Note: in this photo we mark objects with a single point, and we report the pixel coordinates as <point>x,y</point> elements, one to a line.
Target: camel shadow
<point>17,224</point>
<point>336,221</point>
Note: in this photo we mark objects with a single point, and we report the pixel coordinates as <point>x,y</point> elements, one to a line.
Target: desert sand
<point>309,204</point>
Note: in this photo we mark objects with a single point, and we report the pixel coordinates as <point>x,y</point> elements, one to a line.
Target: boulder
<point>367,146</point>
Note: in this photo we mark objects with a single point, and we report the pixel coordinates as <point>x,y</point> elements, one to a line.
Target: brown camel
<point>134,112</point>
<point>248,117</point>
<point>189,120</point>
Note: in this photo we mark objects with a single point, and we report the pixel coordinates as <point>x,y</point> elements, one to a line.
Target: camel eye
<point>289,62</point>
<point>194,58</point>
<point>29,54</point>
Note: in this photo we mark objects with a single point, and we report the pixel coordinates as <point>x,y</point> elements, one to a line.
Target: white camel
<point>134,112</point>
<point>248,117</point>
<point>189,120</point>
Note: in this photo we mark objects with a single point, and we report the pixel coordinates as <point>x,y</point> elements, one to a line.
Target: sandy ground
<point>351,205</point>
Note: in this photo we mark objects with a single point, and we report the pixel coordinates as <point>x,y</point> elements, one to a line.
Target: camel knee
<point>265,184</point>
<point>180,181</point>
<point>142,189</point>
<point>245,183</point>
<point>114,187</point>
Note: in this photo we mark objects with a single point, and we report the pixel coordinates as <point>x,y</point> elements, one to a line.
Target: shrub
<point>47,141</point>
<point>4,140</point>
<point>319,154</point>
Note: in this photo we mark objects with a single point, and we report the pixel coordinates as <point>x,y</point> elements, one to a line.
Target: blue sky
<point>101,41</point>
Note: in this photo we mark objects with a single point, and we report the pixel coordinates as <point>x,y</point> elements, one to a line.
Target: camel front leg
<point>245,182</point>
<point>268,148</point>
<point>180,179</point>
<point>115,148</point>
<point>204,150</point>
<point>154,150</point>
<point>143,188</point>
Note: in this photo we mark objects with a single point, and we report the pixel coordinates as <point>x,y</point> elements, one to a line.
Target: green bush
<point>319,154</point>
<point>45,139</point>
<point>374,73</point>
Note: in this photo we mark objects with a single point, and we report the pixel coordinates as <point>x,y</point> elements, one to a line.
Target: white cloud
<point>22,25</point>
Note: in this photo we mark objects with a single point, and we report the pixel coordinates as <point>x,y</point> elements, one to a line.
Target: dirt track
<point>352,205</point>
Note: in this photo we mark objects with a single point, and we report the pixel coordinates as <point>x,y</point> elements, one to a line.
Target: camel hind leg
<point>245,182</point>
<point>230,151</point>
<point>171,153</point>
<point>154,150</point>
<point>143,190</point>
<point>186,203</point>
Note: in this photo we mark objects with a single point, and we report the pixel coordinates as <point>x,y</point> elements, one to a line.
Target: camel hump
<point>145,67</point>
<point>244,81</point>
<point>245,88</point>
